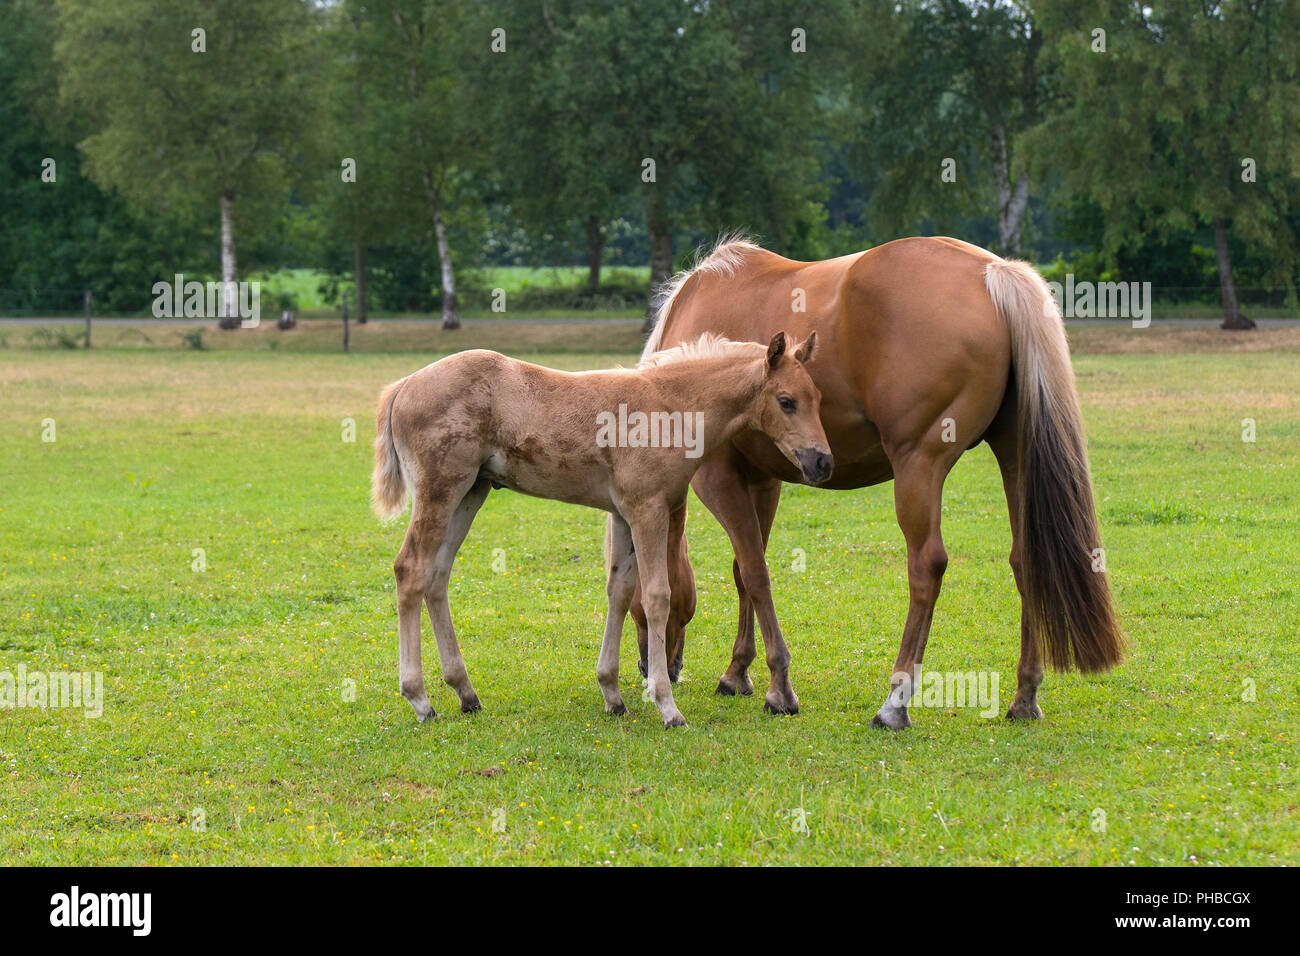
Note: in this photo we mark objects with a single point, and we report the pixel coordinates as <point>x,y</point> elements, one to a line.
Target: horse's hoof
<point>470,706</point>
<point>426,718</point>
<point>675,720</point>
<point>1019,711</point>
<point>641,666</point>
<point>616,710</point>
<point>729,688</point>
<point>895,718</point>
<point>781,708</point>
<point>673,675</point>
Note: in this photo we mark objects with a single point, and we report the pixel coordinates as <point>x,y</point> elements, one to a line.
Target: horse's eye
<point>787,404</point>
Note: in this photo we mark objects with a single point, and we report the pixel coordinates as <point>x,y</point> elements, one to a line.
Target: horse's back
<point>907,335</point>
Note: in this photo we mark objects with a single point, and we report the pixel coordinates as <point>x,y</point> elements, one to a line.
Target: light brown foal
<point>927,347</point>
<point>623,440</point>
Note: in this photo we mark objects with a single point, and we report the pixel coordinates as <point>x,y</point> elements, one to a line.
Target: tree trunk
<point>595,252</point>
<point>359,249</point>
<point>450,318</point>
<point>1232,317</point>
<point>661,253</point>
<point>229,287</point>
<point>359,271</point>
<point>1012,200</point>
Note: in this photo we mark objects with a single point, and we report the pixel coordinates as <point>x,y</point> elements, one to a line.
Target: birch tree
<point>193,105</point>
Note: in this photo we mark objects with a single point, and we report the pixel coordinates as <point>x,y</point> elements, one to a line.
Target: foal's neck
<point>722,388</point>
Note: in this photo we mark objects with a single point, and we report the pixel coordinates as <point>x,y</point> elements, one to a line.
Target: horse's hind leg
<point>619,585</point>
<point>918,502</point>
<point>1029,673</point>
<point>444,632</point>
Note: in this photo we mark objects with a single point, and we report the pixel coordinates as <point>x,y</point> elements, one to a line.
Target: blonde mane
<point>706,346</point>
<point>723,259</point>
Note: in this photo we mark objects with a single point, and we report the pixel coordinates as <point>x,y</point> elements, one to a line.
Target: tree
<point>705,112</point>
<point>1179,116</point>
<point>60,233</point>
<point>555,150</point>
<point>416,59</point>
<point>943,90</point>
<point>193,104</point>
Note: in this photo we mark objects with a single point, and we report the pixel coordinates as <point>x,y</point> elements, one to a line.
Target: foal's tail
<point>387,486</point>
<point>1067,599</point>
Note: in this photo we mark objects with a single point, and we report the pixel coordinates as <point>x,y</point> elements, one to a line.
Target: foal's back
<point>525,427</point>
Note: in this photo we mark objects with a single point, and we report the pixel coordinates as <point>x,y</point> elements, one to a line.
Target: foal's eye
<point>787,404</point>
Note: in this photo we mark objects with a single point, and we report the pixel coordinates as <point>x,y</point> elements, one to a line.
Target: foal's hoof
<point>616,710</point>
<point>470,705</point>
<point>1021,711</point>
<point>675,720</point>
<point>892,718</point>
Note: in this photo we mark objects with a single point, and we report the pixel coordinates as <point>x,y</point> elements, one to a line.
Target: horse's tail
<point>387,485</point>
<point>1066,596</point>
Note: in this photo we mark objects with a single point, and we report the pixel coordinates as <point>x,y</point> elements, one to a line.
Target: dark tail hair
<point>1066,595</point>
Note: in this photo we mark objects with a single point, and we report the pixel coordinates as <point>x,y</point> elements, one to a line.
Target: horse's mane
<point>723,259</point>
<point>706,346</point>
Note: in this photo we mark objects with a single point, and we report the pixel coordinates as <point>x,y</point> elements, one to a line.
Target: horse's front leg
<point>620,582</point>
<point>729,497</point>
<point>649,525</point>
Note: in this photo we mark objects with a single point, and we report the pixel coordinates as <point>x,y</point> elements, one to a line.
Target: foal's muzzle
<point>816,465</point>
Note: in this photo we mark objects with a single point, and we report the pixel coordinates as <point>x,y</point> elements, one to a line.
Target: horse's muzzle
<point>816,465</point>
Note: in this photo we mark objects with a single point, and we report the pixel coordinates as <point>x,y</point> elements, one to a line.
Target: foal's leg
<point>650,538</point>
<point>453,665</point>
<point>413,569</point>
<point>726,494</point>
<point>619,586</point>
<point>681,581</point>
<point>1029,674</point>
<point>918,502</point>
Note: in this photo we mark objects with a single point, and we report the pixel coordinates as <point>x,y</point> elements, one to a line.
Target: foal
<point>478,420</point>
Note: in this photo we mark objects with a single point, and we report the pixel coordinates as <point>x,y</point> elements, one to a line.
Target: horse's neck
<point>721,388</point>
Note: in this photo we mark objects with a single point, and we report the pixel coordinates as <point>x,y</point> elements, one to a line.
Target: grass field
<point>251,714</point>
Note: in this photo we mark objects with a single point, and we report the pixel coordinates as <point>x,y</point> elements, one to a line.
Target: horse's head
<point>788,408</point>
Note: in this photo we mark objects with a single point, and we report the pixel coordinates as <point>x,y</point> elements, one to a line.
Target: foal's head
<point>788,408</point>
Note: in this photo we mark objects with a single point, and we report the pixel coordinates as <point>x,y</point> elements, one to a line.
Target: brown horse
<point>928,346</point>
<point>623,440</point>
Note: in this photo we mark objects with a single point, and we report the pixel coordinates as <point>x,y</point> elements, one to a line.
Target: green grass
<point>224,690</point>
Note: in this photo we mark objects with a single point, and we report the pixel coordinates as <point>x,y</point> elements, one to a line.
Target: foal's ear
<point>804,352</point>
<point>776,349</point>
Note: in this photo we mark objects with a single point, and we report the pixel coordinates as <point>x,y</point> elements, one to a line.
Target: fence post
<point>86,300</point>
<point>345,321</point>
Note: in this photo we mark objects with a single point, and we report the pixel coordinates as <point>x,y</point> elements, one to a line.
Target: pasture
<point>251,713</point>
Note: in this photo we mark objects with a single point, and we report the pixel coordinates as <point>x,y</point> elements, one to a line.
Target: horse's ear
<point>776,349</point>
<point>804,352</point>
